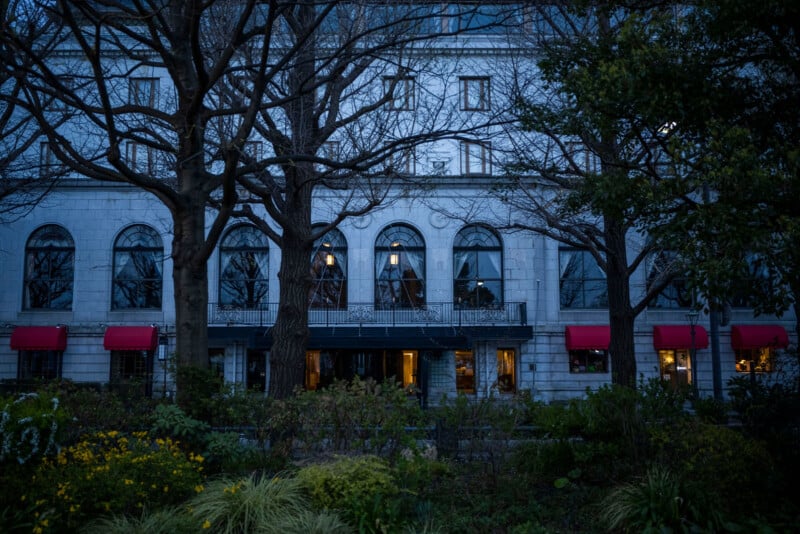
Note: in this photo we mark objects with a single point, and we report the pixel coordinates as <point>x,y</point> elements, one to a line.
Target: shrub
<point>169,520</point>
<point>360,416</point>
<point>656,503</point>
<point>363,490</point>
<point>260,504</point>
<point>112,472</point>
<point>30,426</point>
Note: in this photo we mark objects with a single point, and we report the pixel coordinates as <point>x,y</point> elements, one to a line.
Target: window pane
<point>399,268</point>
<point>138,279</point>
<point>49,269</point>
<point>329,271</point>
<point>244,268</point>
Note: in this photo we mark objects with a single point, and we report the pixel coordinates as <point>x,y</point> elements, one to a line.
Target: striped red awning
<point>131,338</point>
<point>39,338</point>
<point>758,337</point>
<point>587,337</point>
<point>679,337</point>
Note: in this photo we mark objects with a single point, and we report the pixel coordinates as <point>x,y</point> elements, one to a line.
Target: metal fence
<point>360,314</point>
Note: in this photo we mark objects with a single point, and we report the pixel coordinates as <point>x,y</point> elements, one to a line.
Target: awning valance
<point>587,337</point>
<point>131,338</point>
<point>758,336</point>
<point>679,337</point>
<point>39,338</point>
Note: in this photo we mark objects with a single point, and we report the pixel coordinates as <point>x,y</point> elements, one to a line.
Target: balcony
<point>367,314</point>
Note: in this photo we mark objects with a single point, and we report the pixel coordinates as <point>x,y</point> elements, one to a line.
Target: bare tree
<point>130,99</point>
<point>345,118</point>
<point>26,172</point>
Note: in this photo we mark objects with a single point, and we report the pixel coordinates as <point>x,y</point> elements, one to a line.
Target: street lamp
<point>692,317</point>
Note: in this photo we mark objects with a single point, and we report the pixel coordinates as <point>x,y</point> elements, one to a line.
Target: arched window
<point>244,268</point>
<point>49,269</point>
<point>477,268</point>
<point>329,271</point>
<point>677,293</point>
<point>399,268</point>
<point>138,273</point>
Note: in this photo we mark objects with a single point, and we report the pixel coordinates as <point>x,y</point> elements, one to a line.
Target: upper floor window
<point>48,162</point>
<point>399,268</point>
<point>677,294</point>
<point>475,94</point>
<point>139,157</point>
<point>329,271</point>
<point>477,268</point>
<point>582,284</point>
<point>244,268</point>
<point>49,269</point>
<point>476,158</point>
<point>400,92</point>
<point>402,162</point>
<point>579,159</point>
<point>485,17</point>
<point>138,264</point>
<point>143,92</point>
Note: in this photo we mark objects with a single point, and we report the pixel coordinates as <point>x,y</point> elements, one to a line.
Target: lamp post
<point>692,317</point>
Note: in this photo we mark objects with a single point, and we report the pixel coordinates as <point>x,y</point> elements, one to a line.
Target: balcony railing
<point>361,314</point>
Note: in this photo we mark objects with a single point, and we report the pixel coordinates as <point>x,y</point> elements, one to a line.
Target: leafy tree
<point>748,126</point>
<point>596,164</point>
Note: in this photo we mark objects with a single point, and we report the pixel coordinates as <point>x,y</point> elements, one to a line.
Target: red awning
<point>758,336</point>
<point>39,338</point>
<point>587,337</point>
<point>679,337</point>
<point>131,338</point>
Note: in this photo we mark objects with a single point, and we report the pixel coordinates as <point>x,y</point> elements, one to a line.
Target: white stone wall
<point>95,215</point>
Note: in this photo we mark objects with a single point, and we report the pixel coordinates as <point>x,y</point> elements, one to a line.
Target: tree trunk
<point>190,281</point>
<point>621,316</point>
<point>290,333</point>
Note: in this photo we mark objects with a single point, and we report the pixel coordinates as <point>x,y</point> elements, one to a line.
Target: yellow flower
<point>206,524</point>
<point>128,482</point>
<point>199,488</point>
<point>166,489</point>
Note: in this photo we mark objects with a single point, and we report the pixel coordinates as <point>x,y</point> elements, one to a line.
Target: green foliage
<point>260,504</point>
<point>170,420</point>
<point>360,416</point>
<point>656,503</point>
<point>111,472</point>
<point>198,389</point>
<point>30,427</point>
<point>166,520</point>
<point>363,490</point>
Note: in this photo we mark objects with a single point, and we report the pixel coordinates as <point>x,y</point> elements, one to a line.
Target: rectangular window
<point>48,163</point>
<point>139,157</point>
<point>216,362</point>
<point>39,364</point>
<point>410,360</point>
<point>465,371</point>
<point>582,284</point>
<point>754,360</point>
<point>402,162</point>
<point>476,159</point>
<point>132,371</point>
<point>579,159</point>
<point>506,370</point>
<point>400,92</point>
<point>676,367</point>
<point>143,92</point>
<point>588,361</point>
<point>475,94</point>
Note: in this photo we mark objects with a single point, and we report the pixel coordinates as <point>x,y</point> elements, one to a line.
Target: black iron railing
<point>360,314</point>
